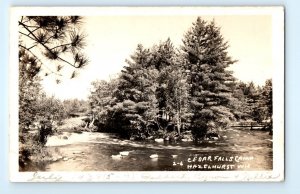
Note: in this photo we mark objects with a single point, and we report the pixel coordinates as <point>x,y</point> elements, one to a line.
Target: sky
<point>112,39</point>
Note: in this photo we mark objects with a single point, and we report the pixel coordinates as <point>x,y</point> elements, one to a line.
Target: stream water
<point>90,151</point>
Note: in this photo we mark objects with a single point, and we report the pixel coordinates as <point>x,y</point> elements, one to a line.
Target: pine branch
<point>27,35</point>
<point>36,29</point>
<point>30,52</point>
<point>50,38</point>
<point>67,44</point>
<point>39,60</point>
<point>32,47</point>
<point>45,46</point>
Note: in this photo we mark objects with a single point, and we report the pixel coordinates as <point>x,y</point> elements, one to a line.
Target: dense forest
<point>164,91</point>
<point>161,92</point>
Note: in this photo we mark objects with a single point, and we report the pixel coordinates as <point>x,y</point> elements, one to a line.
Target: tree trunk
<point>92,123</point>
<point>178,123</point>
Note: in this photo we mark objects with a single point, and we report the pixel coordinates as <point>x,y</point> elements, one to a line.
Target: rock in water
<point>116,157</point>
<point>159,140</point>
<point>124,153</point>
<point>154,156</point>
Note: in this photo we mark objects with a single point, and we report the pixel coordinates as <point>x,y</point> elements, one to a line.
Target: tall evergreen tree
<point>267,98</point>
<point>163,60</point>
<point>253,102</point>
<point>267,95</point>
<point>206,54</point>
<point>100,100</point>
<point>238,104</point>
<point>135,104</point>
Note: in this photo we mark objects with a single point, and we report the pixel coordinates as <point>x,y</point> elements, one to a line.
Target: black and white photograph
<point>146,94</point>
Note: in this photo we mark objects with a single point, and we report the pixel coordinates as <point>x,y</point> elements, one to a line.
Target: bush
<point>199,130</point>
<point>32,143</point>
<point>33,150</point>
<point>46,129</point>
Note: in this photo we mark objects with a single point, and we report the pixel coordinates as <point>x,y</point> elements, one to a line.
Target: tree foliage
<point>163,90</point>
<point>75,107</point>
<point>46,45</point>
<point>267,96</point>
<point>135,103</point>
<point>52,42</point>
<point>206,54</point>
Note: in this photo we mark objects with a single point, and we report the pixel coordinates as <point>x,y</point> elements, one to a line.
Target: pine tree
<point>100,101</point>
<point>29,91</point>
<point>267,95</point>
<point>206,57</point>
<point>135,104</point>
<point>241,106</point>
<point>253,102</point>
<point>163,60</point>
<point>267,98</point>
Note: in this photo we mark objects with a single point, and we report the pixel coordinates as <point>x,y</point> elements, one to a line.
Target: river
<point>90,151</point>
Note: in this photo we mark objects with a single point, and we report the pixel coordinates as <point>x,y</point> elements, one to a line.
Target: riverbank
<point>73,140</point>
<point>94,151</point>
